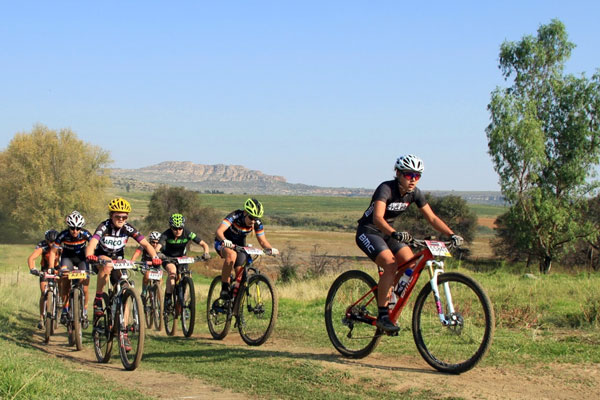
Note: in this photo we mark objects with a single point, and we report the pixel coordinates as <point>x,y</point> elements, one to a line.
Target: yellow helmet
<point>119,205</point>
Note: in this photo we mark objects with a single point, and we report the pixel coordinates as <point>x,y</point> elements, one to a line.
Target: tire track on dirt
<point>162,385</point>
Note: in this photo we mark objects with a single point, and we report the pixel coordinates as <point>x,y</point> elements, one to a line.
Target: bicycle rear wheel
<point>148,311</point>
<point>131,333</point>
<point>48,308</point>
<point>351,300</point>
<point>102,333</point>
<point>55,311</point>
<point>188,311</point>
<point>459,346</point>
<point>169,315</point>
<point>77,317</point>
<point>218,311</point>
<point>156,307</point>
<point>257,311</point>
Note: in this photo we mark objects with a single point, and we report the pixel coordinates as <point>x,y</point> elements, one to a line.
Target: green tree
<point>453,210</point>
<point>167,200</point>
<point>543,140</point>
<point>44,175</point>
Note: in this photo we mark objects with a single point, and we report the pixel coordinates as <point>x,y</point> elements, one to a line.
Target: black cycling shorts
<point>372,242</point>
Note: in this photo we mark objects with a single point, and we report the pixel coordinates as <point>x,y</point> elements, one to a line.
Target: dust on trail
<point>162,385</point>
<point>554,381</point>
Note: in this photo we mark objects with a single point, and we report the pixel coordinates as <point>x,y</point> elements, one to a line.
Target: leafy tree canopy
<point>46,174</point>
<point>544,142</point>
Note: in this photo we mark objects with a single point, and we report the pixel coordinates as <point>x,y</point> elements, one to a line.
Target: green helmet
<point>254,208</point>
<point>177,221</point>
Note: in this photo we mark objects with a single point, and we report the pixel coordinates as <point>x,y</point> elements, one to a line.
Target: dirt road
<point>556,381</point>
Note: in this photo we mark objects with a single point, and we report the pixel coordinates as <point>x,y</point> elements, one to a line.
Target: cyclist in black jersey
<point>174,243</point>
<point>72,243</point>
<point>381,242</point>
<point>233,231</point>
<point>153,239</point>
<point>43,249</point>
<point>112,236</point>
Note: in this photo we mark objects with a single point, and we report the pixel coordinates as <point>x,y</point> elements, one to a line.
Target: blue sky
<point>326,93</point>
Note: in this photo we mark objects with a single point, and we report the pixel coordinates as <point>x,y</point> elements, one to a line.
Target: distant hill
<point>237,179</point>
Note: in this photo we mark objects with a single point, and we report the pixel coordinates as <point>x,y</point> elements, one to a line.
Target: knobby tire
<point>257,310</point>
<point>351,337</point>
<point>455,348</point>
<point>218,311</point>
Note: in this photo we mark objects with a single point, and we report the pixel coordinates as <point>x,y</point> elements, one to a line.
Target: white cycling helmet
<point>75,220</point>
<point>154,235</point>
<point>410,163</point>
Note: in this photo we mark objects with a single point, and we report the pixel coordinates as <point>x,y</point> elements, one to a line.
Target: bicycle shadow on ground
<point>207,350</point>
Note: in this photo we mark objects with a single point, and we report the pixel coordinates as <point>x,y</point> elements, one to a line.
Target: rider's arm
<point>136,254</point>
<point>148,247</point>
<point>220,233</point>
<point>31,259</point>
<point>204,246</point>
<point>262,240</point>
<point>435,221</point>
<point>91,247</point>
<point>378,220</point>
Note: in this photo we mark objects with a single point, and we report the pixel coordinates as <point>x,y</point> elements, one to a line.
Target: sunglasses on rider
<point>153,242</point>
<point>74,228</point>
<point>177,229</point>
<point>121,217</point>
<point>411,175</point>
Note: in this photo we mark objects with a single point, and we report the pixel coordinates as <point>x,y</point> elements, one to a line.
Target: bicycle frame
<point>424,259</point>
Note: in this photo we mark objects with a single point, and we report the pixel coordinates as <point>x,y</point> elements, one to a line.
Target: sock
<point>382,311</point>
<point>224,286</point>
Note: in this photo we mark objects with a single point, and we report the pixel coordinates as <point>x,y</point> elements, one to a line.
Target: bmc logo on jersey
<point>397,206</point>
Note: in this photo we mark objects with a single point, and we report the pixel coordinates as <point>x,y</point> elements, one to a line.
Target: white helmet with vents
<point>75,220</point>
<point>410,163</point>
<point>154,235</point>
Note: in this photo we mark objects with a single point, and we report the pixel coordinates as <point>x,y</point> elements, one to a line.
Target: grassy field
<point>540,320</point>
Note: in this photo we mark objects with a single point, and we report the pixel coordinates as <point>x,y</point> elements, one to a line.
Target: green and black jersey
<point>176,247</point>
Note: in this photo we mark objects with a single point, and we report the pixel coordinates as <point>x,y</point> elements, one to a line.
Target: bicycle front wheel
<point>218,311</point>
<point>148,311</point>
<point>156,307</point>
<point>257,311</point>
<point>102,333</point>
<point>188,309</point>
<point>131,333</point>
<point>48,322</point>
<point>77,317</point>
<point>459,346</point>
<point>350,313</point>
<point>169,314</point>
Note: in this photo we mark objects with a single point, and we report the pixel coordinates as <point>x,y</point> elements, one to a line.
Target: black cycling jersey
<point>368,236</point>
<point>176,247</point>
<point>238,230</point>
<point>145,255</point>
<point>113,240</point>
<point>395,203</point>
<point>73,246</point>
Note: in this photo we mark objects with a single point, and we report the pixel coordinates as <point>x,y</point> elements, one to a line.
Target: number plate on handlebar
<point>122,264</point>
<point>77,275</point>
<point>253,251</point>
<point>438,248</point>
<point>155,275</point>
<point>186,260</point>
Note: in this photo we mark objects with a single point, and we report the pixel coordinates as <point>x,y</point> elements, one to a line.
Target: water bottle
<point>403,282</point>
<point>393,300</point>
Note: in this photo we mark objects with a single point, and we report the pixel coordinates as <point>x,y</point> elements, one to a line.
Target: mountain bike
<point>253,303</point>
<point>184,302</point>
<point>50,304</point>
<point>76,317</point>
<point>153,299</point>
<point>452,322</point>
<point>122,317</point>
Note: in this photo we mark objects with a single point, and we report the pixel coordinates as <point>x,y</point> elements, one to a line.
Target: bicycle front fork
<point>436,268</point>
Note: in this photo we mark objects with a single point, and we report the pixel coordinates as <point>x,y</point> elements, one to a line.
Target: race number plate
<point>77,275</point>
<point>438,248</point>
<point>253,251</point>
<point>185,260</point>
<point>122,264</point>
<point>155,275</point>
